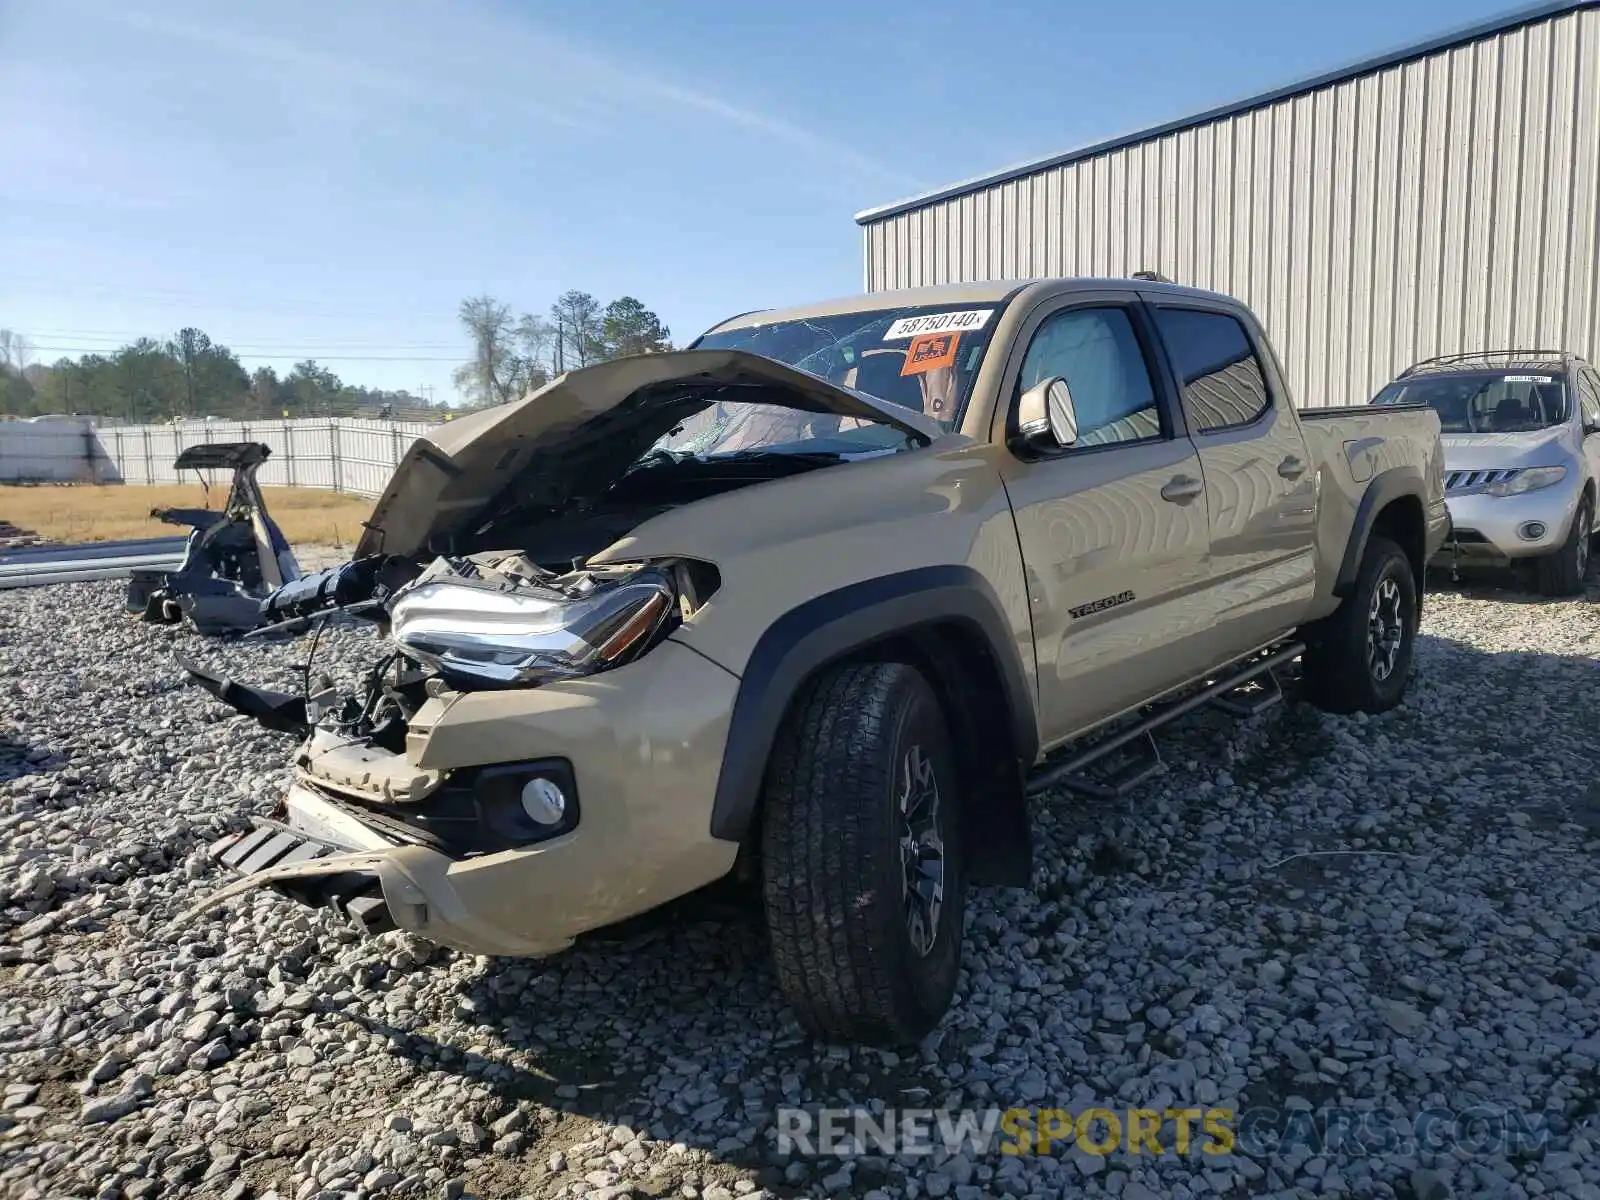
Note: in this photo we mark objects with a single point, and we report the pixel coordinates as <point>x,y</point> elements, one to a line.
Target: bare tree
<point>536,338</point>
<point>190,348</point>
<point>578,327</point>
<point>493,376</point>
<point>16,352</point>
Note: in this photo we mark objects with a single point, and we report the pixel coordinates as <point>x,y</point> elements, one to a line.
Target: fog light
<point>543,801</point>
<point>1531,531</point>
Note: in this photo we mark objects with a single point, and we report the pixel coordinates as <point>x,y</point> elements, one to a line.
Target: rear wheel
<point>1359,659</point>
<point>863,873</point>
<point>1562,573</point>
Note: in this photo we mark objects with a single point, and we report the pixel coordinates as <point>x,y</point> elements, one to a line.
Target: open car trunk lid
<point>581,431</point>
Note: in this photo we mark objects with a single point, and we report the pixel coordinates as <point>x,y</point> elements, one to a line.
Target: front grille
<point>1461,481</point>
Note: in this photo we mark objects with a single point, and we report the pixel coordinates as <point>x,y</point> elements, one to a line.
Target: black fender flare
<point>1384,488</point>
<point>827,628</point>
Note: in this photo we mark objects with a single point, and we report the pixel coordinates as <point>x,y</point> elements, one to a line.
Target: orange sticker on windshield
<point>929,352</point>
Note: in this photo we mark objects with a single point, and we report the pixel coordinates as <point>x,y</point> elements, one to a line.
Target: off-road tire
<point>1562,572</point>
<point>833,876</point>
<point>1340,673</point>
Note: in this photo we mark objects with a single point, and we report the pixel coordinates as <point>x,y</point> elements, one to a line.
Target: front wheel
<point>1562,572</point>
<point>863,873</point>
<point>1359,659</point>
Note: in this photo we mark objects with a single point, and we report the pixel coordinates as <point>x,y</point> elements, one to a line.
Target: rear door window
<point>1223,383</point>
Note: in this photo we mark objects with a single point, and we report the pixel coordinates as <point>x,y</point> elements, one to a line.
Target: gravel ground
<point>1392,914</point>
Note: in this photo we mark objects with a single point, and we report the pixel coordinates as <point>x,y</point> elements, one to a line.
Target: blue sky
<point>331,179</point>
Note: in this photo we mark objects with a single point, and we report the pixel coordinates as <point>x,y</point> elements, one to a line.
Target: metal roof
<point>1457,37</point>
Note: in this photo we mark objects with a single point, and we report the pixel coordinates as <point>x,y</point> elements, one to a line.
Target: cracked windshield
<point>924,359</point>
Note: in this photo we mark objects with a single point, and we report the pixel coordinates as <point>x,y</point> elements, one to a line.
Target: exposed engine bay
<point>491,620</point>
<point>484,621</point>
<point>499,620</point>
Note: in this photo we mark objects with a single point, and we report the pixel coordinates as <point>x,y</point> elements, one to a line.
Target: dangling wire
<point>311,655</point>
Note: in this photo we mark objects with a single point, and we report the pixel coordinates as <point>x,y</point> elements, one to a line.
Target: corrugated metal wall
<point>1449,203</point>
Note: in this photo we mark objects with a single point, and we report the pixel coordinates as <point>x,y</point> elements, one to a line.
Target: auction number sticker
<point>929,352</point>
<point>1529,379</point>
<point>945,322</point>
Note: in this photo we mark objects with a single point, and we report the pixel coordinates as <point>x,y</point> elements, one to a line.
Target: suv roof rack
<point>1444,362</point>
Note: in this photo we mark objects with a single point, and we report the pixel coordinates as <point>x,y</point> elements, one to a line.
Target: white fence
<point>66,452</point>
<point>343,454</point>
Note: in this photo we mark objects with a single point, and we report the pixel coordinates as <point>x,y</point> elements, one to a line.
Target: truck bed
<point>1354,447</point>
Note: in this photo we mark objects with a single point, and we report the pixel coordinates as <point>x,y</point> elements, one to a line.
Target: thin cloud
<point>332,74</point>
<point>72,158</point>
<point>615,77</point>
<point>541,74</point>
<point>270,51</point>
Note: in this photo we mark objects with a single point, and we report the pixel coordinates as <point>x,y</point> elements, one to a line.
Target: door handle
<point>1292,467</point>
<point>1181,489</point>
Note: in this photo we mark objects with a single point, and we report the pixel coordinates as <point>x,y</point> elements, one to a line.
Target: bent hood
<point>577,434</point>
<point>1504,451</point>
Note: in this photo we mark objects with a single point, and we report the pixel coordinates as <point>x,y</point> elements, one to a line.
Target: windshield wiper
<point>774,452</point>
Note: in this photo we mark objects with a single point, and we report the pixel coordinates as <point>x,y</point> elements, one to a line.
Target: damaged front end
<point>486,777</point>
<point>496,621</point>
<point>360,803</point>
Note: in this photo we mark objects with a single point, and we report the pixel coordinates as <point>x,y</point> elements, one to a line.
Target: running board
<point>1250,688</point>
<point>1115,780</point>
<point>1252,697</point>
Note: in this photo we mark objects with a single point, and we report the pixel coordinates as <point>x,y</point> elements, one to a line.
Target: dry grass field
<point>85,513</point>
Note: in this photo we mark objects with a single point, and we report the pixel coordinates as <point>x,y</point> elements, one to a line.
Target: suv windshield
<point>1484,401</point>
<point>923,358</point>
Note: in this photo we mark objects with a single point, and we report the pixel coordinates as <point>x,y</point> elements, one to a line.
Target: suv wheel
<point>1562,572</point>
<point>862,865</point>
<point>1359,659</point>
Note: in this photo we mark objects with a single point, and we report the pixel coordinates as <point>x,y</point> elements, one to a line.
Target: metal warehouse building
<point>1439,198</point>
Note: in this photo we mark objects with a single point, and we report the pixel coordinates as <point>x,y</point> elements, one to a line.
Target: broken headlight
<point>503,636</point>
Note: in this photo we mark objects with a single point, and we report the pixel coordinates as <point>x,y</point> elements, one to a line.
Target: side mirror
<point>1046,419</point>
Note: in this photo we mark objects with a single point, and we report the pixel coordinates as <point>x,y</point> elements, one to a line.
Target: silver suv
<point>1522,455</point>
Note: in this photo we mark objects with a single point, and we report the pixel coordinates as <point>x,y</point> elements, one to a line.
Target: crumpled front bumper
<point>313,871</point>
<point>645,743</point>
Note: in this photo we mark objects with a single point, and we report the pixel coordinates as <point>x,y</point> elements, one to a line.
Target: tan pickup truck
<point>819,603</point>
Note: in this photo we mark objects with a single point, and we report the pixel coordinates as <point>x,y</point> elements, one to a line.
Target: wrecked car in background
<point>819,603</point>
<point>235,557</point>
